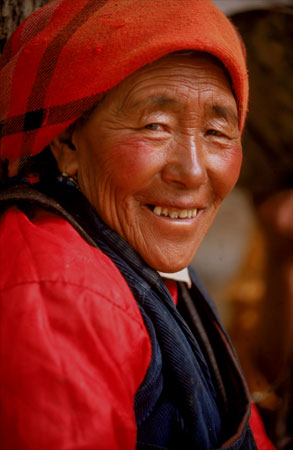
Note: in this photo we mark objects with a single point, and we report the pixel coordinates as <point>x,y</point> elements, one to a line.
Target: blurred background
<point>245,261</point>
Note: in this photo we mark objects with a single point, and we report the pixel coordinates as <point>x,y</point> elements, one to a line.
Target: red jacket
<point>74,348</point>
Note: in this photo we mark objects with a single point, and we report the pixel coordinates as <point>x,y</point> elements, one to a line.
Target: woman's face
<point>159,155</point>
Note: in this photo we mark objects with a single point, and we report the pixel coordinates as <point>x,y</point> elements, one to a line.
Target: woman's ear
<point>65,153</point>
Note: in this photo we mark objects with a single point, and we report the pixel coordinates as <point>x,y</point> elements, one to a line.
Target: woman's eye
<point>153,126</point>
<point>212,132</point>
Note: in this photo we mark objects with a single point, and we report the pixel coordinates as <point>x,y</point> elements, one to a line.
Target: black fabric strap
<point>22,194</point>
<point>188,309</point>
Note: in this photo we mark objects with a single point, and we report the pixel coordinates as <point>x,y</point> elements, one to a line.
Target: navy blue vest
<point>193,395</point>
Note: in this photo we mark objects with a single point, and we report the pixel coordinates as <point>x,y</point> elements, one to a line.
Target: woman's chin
<point>169,264</point>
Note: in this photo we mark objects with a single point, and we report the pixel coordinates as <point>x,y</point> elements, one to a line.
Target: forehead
<point>183,62</point>
<point>165,83</point>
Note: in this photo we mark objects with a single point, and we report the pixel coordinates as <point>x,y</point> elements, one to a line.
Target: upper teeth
<point>175,213</point>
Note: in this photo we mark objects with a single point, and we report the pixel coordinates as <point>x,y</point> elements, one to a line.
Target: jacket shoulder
<point>48,249</point>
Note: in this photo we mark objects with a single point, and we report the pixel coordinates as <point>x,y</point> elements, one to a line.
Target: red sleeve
<point>72,357</point>
<point>258,430</point>
<point>63,385</point>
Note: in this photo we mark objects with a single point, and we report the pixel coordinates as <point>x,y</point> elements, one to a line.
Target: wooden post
<point>12,13</point>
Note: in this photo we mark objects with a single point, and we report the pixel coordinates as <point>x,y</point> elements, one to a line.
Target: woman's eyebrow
<point>157,101</point>
<point>224,112</point>
<point>160,101</point>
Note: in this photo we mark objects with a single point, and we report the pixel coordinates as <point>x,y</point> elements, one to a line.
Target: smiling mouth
<point>173,213</point>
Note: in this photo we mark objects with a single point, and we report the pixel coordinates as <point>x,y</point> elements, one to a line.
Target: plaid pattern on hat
<point>62,58</point>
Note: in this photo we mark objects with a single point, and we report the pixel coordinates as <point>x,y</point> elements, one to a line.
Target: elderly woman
<point>120,137</point>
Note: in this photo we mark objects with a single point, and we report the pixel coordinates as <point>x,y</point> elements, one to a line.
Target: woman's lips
<point>173,213</point>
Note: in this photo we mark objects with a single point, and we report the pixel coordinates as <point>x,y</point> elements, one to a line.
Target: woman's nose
<point>186,164</point>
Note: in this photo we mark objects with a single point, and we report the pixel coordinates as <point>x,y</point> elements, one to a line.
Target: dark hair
<point>42,165</point>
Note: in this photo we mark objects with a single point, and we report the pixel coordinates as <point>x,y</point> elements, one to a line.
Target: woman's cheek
<point>135,159</point>
<point>226,169</point>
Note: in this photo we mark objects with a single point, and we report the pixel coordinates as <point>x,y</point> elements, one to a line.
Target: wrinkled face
<point>159,155</point>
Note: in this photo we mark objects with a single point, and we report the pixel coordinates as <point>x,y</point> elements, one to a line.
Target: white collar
<point>182,275</point>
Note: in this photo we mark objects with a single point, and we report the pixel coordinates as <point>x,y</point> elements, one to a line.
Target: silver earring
<point>69,180</point>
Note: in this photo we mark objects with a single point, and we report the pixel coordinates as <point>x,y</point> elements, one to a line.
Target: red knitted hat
<point>65,55</point>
